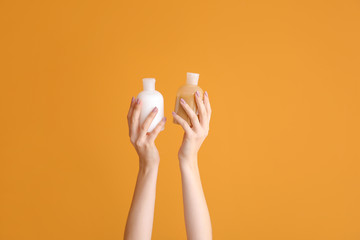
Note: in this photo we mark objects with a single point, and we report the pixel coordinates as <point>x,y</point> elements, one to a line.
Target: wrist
<point>187,157</point>
<point>145,166</point>
<point>188,164</point>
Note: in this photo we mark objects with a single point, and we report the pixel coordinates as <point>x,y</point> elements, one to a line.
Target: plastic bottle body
<point>150,99</point>
<point>187,92</point>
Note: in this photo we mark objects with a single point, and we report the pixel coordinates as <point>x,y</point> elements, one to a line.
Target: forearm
<point>197,218</point>
<point>140,220</point>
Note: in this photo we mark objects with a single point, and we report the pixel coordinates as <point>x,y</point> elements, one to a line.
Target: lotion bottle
<point>150,99</point>
<point>187,92</point>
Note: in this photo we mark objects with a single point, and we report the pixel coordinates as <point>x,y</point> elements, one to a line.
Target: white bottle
<point>150,99</point>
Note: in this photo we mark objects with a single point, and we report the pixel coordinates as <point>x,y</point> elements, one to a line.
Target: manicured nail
<point>138,101</point>
<point>155,109</point>
<point>182,100</point>
<point>173,113</point>
<point>197,93</point>
<point>206,94</point>
<point>164,119</point>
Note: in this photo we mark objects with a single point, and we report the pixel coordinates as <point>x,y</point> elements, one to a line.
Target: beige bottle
<point>187,92</point>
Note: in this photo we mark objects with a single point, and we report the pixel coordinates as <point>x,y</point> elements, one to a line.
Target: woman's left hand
<point>143,141</point>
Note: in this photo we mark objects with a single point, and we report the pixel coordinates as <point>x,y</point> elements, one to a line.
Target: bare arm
<point>140,220</point>
<point>197,217</point>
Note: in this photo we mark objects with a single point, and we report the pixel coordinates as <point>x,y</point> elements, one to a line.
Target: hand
<point>194,136</point>
<point>143,141</point>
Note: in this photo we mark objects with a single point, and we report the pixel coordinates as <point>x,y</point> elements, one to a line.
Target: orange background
<point>282,157</point>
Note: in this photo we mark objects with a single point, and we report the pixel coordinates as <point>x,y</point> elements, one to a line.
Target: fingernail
<point>206,94</point>
<point>182,100</point>
<point>173,113</point>
<point>155,109</point>
<point>197,93</point>
<point>164,119</point>
<point>138,101</point>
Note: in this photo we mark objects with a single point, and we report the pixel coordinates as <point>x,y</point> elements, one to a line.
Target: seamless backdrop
<point>282,157</point>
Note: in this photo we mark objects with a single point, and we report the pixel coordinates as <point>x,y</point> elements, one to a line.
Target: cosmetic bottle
<point>187,92</point>
<point>150,99</point>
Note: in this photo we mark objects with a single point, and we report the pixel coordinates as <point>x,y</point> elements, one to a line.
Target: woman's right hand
<point>194,136</point>
<point>196,212</point>
<point>144,142</point>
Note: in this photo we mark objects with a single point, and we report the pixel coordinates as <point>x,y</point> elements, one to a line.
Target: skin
<point>197,219</point>
<point>141,215</point>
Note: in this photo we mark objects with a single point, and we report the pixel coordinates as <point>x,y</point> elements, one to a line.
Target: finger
<point>207,104</point>
<point>134,121</point>
<point>201,107</point>
<point>145,126</point>
<point>155,132</point>
<point>191,114</point>
<point>182,122</point>
<point>131,108</point>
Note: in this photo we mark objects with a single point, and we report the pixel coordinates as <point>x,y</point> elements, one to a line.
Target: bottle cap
<point>149,84</point>
<point>192,78</point>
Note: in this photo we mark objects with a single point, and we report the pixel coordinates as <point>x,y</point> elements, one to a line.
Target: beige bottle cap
<point>192,78</point>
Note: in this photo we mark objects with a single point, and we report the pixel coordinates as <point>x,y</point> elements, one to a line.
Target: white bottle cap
<point>192,78</point>
<point>149,84</point>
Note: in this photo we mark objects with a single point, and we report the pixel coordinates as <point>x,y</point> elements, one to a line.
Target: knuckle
<point>138,143</point>
<point>146,144</point>
<point>143,127</point>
